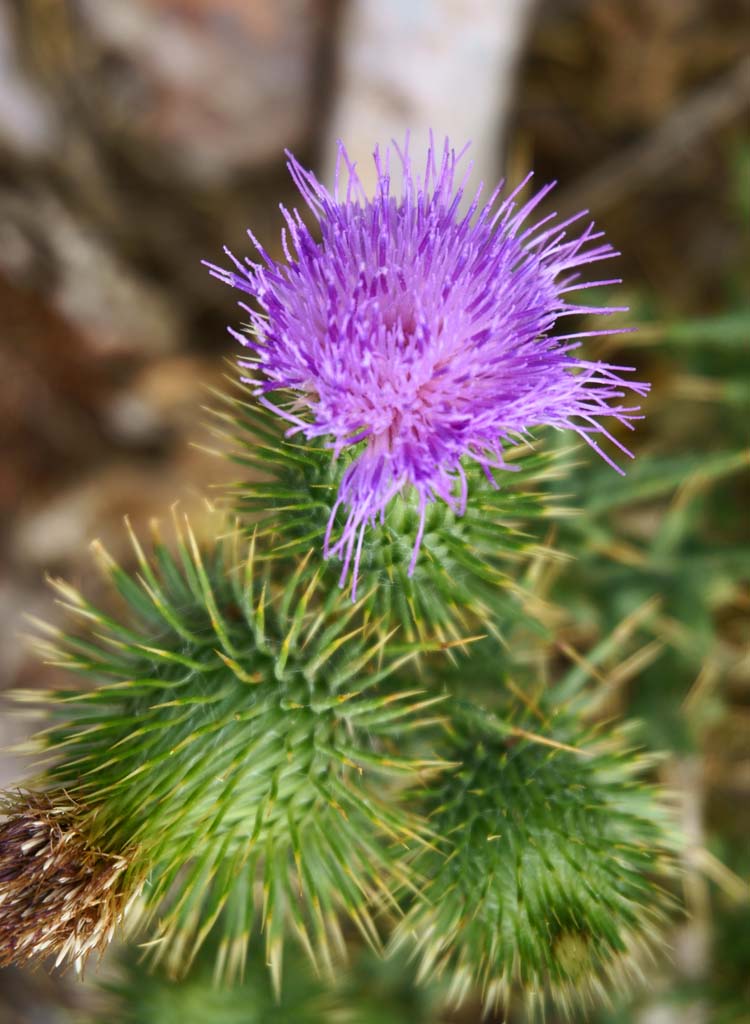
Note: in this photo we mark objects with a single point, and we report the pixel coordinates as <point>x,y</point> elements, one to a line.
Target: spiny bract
<point>542,881</point>
<point>424,334</point>
<point>231,747</point>
<point>468,577</point>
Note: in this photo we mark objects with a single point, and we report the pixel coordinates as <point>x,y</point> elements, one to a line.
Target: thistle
<point>548,877</point>
<point>420,339</point>
<point>254,758</point>
<point>60,896</point>
<point>230,743</point>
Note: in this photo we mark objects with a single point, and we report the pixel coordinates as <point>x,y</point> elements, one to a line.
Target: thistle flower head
<point>59,895</point>
<point>417,335</point>
<point>546,882</point>
<point>231,746</point>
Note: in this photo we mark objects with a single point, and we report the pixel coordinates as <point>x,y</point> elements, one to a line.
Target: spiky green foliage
<point>544,881</point>
<point>238,747</point>
<point>140,995</point>
<point>368,990</point>
<point>469,566</point>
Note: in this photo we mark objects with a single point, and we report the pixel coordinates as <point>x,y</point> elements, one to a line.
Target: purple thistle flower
<point>424,333</point>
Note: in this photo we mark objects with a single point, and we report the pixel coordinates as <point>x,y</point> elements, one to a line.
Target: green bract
<point>469,566</point>
<point>544,877</point>
<point>237,749</point>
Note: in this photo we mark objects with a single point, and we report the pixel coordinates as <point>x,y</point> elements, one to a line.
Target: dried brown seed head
<point>59,895</point>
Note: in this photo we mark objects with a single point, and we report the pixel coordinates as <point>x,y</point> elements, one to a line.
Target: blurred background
<point>138,137</point>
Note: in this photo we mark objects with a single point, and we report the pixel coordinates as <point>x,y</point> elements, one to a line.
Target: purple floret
<point>426,331</point>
